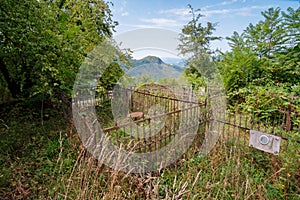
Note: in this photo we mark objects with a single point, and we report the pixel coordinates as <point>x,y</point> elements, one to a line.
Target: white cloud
<point>139,26</point>
<point>122,8</point>
<point>220,4</point>
<point>125,14</point>
<point>209,13</point>
<point>153,26</point>
<point>248,11</point>
<point>184,14</point>
<point>177,11</point>
<point>161,22</point>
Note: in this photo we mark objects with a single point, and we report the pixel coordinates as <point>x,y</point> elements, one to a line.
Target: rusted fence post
<point>288,122</point>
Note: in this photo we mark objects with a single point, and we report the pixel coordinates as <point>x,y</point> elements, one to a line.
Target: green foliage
<point>43,43</point>
<point>267,36</point>
<point>265,56</point>
<point>28,150</point>
<point>265,102</point>
<point>111,76</point>
<point>195,42</point>
<point>48,161</point>
<point>195,38</point>
<point>194,78</point>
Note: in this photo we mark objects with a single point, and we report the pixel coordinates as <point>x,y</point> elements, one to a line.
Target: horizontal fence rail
<point>248,133</point>
<point>153,128</point>
<point>283,122</point>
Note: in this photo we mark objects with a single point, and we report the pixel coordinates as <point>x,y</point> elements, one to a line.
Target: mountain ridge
<point>155,67</point>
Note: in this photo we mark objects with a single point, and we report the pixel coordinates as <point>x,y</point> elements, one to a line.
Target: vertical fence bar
<point>245,116</point>
<point>138,139</point>
<point>240,125</point>
<point>144,140</point>
<point>234,129</point>
<point>150,144</point>
<point>288,117</point>
<point>223,129</point>
<point>124,139</point>
<point>229,121</point>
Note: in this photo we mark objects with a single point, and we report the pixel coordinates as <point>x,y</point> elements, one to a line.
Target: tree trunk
<point>13,87</point>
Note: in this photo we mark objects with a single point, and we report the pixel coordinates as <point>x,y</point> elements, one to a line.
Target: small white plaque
<point>265,142</point>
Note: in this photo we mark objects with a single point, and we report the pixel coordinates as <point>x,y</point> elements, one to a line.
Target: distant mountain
<point>175,61</point>
<point>155,68</point>
<point>147,60</point>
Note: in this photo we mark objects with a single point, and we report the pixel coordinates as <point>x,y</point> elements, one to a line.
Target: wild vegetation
<point>264,59</point>
<point>42,46</point>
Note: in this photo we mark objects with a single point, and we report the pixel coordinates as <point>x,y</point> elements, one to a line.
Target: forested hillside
<point>155,68</point>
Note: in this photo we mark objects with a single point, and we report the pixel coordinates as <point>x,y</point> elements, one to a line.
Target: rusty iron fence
<point>270,140</point>
<point>154,127</point>
<point>249,132</point>
<point>281,122</point>
<point>157,115</point>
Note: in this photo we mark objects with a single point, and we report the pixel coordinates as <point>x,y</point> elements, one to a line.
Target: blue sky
<point>231,15</point>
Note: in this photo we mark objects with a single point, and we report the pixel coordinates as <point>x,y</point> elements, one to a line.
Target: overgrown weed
<point>49,162</point>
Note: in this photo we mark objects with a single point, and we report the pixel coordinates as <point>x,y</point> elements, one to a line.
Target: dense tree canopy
<point>43,43</point>
<point>264,55</point>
